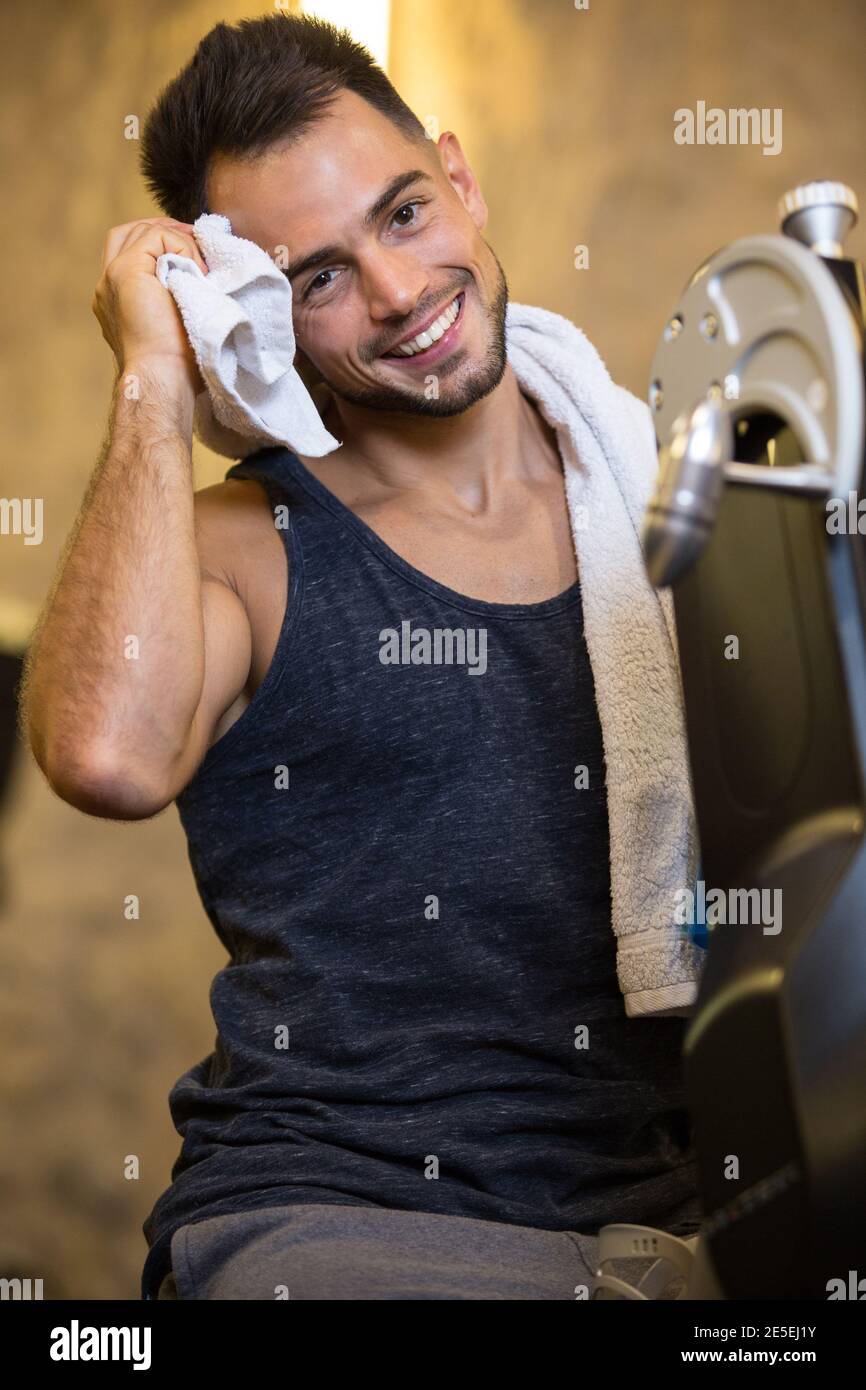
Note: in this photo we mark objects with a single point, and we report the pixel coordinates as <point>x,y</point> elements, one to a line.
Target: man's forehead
<point>319,183</point>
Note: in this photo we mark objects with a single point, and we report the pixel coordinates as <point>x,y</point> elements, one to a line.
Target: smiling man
<point>410,880</point>
<point>348,321</point>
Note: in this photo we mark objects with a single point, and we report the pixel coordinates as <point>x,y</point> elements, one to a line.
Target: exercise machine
<point>758,525</point>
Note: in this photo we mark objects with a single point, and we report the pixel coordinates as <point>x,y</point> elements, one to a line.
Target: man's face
<point>386,271</point>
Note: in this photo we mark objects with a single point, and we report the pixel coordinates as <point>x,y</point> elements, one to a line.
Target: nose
<point>392,283</point>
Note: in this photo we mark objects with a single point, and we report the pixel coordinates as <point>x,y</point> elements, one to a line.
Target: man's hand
<point>138,316</point>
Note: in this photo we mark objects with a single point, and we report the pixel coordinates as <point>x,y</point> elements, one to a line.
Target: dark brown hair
<point>247,87</point>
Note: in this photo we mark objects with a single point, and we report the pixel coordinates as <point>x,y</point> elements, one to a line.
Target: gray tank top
<point>402,844</point>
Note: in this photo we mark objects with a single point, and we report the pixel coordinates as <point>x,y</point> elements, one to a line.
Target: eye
<point>312,285</point>
<point>414,204</point>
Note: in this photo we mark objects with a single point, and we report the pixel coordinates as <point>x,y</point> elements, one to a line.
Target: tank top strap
<point>272,466</point>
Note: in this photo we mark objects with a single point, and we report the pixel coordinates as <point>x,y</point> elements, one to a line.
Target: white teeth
<point>431,334</point>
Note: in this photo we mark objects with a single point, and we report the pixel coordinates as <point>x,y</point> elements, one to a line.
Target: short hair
<point>249,87</point>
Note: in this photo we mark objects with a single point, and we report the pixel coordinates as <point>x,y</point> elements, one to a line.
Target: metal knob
<point>682,512</point>
<point>820,215</point>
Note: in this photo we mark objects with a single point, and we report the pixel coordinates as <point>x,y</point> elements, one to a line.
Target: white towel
<point>238,319</point>
<point>239,322</point>
<point>607,440</point>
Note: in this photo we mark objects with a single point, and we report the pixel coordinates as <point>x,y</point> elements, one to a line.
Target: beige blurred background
<point>567,118</point>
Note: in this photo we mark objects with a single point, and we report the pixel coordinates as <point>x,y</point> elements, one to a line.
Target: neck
<point>470,457</point>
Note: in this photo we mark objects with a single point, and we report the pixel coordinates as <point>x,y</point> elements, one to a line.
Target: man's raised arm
<point>138,650</point>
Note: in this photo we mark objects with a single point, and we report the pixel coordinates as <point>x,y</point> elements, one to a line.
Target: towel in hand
<point>238,318</point>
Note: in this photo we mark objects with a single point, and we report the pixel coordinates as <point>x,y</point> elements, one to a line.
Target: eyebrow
<point>374,211</point>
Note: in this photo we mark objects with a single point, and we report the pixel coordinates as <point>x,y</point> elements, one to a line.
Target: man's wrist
<point>172,373</point>
<point>160,390</point>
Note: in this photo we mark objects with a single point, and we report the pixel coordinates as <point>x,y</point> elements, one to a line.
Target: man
<point>386,831</point>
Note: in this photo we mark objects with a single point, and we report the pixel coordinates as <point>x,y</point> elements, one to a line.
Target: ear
<point>459,173</point>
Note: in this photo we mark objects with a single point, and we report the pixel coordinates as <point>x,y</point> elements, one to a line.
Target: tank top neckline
<point>325,497</point>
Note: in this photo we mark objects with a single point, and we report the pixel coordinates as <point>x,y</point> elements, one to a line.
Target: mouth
<point>437,338</point>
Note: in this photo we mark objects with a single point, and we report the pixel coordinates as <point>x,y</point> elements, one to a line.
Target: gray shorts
<point>327,1251</point>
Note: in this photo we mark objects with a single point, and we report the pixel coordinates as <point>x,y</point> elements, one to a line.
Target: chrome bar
<point>809,478</point>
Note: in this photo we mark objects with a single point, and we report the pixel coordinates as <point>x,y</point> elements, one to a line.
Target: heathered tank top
<point>402,844</point>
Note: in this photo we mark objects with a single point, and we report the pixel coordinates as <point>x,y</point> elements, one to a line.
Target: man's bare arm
<point>139,648</point>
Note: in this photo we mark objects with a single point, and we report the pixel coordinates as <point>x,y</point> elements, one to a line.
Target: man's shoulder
<point>234,519</point>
